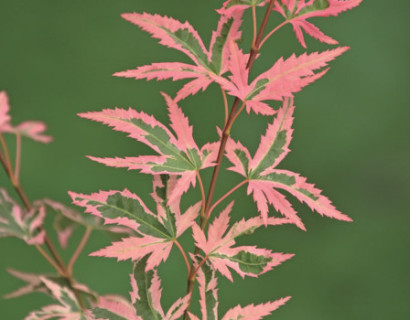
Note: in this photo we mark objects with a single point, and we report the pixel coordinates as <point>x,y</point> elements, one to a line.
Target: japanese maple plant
<point>148,234</point>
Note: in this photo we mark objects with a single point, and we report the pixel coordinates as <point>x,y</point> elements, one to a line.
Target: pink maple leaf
<point>30,129</point>
<point>178,154</point>
<point>157,232</point>
<point>264,178</point>
<point>114,306</point>
<point>296,13</point>
<point>146,295</point>
<point>67,309</point>
<point>285,78</point>
<point>245,260</point>
<point>209,301</point>
<point>209,64</point>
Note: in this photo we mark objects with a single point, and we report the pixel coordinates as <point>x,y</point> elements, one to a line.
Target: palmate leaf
<point>264,178</point>
<point>157,232</point>
<point>209,301</point>
<point>113,308</point>
<point>209,64</point>
<point>146,295</point>
<point>35,283</point>
<point>231,6</point>
<point>296,12</point>
<point>17,222</point>
<point>30,129</point>
<point>67,220</point>
<point>67,309</point>
<point>245,260</point>
<point>285,78</point>
<point>178,154</point>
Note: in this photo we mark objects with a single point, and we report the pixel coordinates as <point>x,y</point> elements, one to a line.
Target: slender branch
<point>50,260</point>
<point>18,157</point>
<point>201,185</point>
<point>272,32</point>
<point>236,115</point>
<point>5,150</point>
<point>231,118</point>
<point>225,105</point>
<point>224,138</point>
<point>58,263</point>
<point>226,195</point>
<point>78,251</point>
<point>254,24</point>
<point>181,249</point>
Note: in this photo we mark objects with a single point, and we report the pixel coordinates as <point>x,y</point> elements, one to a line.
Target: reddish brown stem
<point>78,251</point>
<point>59,264</point>
<point>181,249</point>
<point>224,138</point>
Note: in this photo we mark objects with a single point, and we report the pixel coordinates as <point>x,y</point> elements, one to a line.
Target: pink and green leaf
<point>264,179</point>
<point>296,12</point>
<point>30,129</point>
<point>232,6</point>
<point>245,260</point>
<point>289,76</point>
<point>67,309</point>
<point>173,34</point>
<point>146,295</point>
<point>158,232</point>
<point>285,78</point>
<point>113,308</point>
<point>34,283</point>
<point>4,110</point>
<point>67,220</point>
<point>252,312</point>
<point>17,222</point>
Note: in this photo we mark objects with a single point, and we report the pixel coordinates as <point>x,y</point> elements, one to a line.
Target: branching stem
<point>224,138</point>
<point>78,251</point>
<point>226,195</point>
<point>57,263</point>
<point>201,186</point>
<point>181,249</point>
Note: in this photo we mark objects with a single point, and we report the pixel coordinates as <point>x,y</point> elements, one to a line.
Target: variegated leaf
<point>296,13</point>
<point>17,222</point>
<point>67,220</point>
<point>35,283</point>
<point>158,231</point>
<point>252,312</point>
<point>209,64</point>
<point>178,154</point>
<point>146,295</point>
<point>285,78</point>
<point>30,129</point>
<point>264,179</point>
<point>113,308</point>
<point>245,260</point>
<point>67,309</point>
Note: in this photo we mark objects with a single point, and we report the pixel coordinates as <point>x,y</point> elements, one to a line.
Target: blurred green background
<point>351,139</point>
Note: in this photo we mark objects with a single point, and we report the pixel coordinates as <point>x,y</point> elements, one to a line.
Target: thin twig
<point>50,260</point>
<point>181,249</point>
<point>18,157</point>
<point>78,251</point>
<point>255,24</point>
<point>225,105</point>
<point>201,186</point>
<point>58,263</point>
<point>226,195</point>
<point>272,32</point>
<point>5,150</point>
<point>224,139</point>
